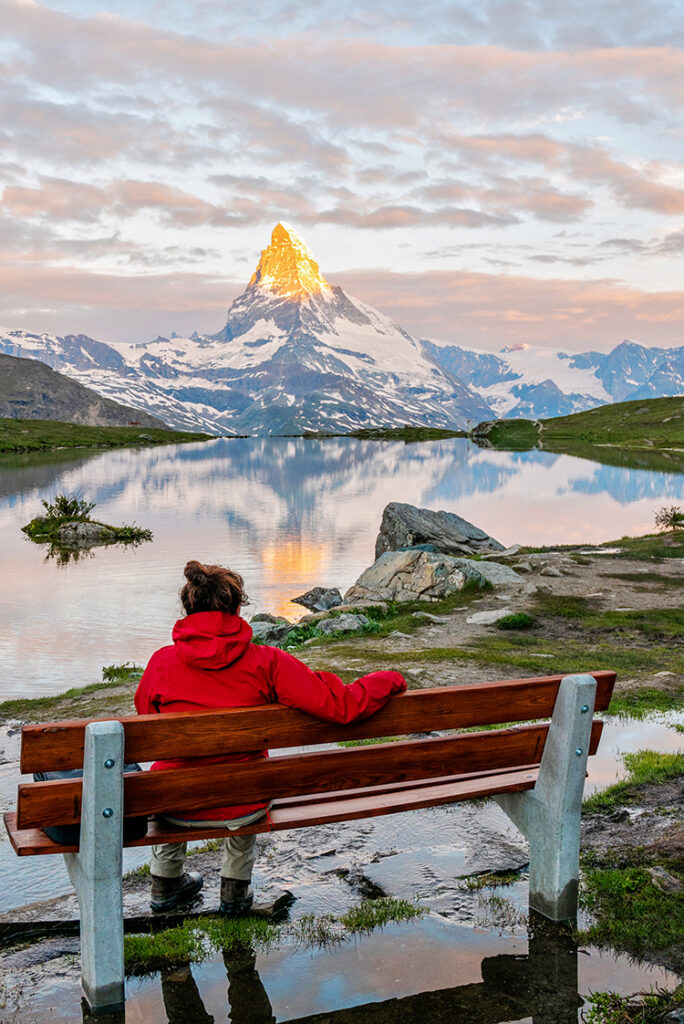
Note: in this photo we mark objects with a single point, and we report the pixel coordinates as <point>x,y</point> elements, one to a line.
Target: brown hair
<point>212,588</point>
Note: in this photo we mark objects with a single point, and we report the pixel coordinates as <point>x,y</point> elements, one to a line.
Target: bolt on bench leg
<point>95,871</point>
<point>549,815</point>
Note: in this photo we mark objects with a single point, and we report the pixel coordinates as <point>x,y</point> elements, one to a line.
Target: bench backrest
<point>59,745</point>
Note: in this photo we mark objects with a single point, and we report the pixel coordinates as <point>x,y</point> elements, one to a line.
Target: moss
<point>643,767</point>
<point>45,529</point>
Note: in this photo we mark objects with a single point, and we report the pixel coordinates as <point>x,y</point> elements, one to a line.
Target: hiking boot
<point>170,892</point>
<point>236,896</point>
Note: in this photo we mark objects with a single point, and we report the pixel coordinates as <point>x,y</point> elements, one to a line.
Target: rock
<point>306,620</point>
<point>495,573</point>
<point>409,575</point>
<point>664,881</point>
<point>405,526</point>
<point>397,635</point>
<point>319,599</point>
<point>506,553</point>
<point>82,535</point>
<point>550,570</point>
<point>488,618</point>
<point>675,1016</point>
<point>270,632</point>
<point>427,617</point>
<point>415,575</point>
<point>267,617</point>
<point>663,675</point>
<point>522,567</point>
<point>345,623</point>
<point>145,437</point>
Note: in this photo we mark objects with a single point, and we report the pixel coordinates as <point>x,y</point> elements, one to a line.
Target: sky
<point>490,173</point>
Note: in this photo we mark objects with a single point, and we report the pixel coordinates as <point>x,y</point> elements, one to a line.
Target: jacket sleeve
<point>324,695</point>
<point>146,696</point>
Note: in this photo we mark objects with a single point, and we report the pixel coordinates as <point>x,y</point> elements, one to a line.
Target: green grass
<point>651,580</point>
<point>650,546</point>
<point>639,1008</point>
<point>407,434</point>
<point>645,700</point>
<point>516,620</point>
<point>643,767</point>
<point>196,940</point>
<point>43,435</point>
<point>398,616</point>
<point>489,880</point>
<point>630,913</point>
<point>648,424</point>
<point>74,702</point>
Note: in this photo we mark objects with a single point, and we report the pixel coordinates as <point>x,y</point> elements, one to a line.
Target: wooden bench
<point>535,771</point>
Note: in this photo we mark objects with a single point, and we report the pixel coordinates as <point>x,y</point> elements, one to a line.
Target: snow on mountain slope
<point>522,380</point>
<point>296,354</point>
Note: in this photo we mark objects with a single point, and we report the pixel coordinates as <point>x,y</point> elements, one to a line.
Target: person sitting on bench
<point>212,663</point>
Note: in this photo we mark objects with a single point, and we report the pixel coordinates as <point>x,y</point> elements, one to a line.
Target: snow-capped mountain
<point>542,382</point>
<point>297,354</point>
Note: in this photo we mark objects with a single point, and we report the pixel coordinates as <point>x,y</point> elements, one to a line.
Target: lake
<point>288,513</point>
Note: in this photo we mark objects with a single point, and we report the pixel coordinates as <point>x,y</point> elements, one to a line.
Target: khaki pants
<point>239,852</point>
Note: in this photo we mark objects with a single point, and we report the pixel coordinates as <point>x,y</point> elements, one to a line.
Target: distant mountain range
<point>297,354</point>
<point>30,390</point>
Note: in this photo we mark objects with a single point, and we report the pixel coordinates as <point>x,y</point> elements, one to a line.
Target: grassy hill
<point>46,435</point>
<point>638,434</point>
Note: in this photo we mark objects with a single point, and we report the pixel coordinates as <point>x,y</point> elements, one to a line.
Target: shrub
<point>64,507</point>
<point>670,518</point>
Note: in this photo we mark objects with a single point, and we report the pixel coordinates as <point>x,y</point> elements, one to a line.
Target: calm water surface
<point>288,513</point>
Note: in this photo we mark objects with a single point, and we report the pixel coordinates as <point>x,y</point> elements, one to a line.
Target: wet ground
<point>475,957</point>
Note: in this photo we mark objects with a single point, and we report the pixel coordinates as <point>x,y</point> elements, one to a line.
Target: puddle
<point>426,972</point>
<point>304,858</point>
<point>470,958</point>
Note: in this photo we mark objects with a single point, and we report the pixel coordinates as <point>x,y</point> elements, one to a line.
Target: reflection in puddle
<point>428,972</point>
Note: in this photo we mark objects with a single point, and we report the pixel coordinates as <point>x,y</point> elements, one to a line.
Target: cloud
<point>481,310</point>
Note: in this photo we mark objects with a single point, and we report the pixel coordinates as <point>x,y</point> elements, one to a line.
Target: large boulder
<point>319,599</point>
<point>411,575</point>
<point>405,526</point>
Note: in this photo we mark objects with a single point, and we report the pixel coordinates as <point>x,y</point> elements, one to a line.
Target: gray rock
<point>319,599</point>
<point>522,567</point>
<point>427,617</point>
<point>506,553</point>
<point>550,570</point>
<point>488,618</point>
<point>345,623</point>
<point>82,535</point>
<point>405,526</point>
<point>270,632</point>
<point>495,573</point>
<point>267,617</point>
<point>409,575</point>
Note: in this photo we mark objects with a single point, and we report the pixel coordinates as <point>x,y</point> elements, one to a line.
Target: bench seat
<point>313,809</point>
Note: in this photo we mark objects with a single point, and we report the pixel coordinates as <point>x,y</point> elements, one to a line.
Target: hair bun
<point>195,572</point>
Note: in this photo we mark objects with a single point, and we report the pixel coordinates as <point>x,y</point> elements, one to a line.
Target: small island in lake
<point>66,525</point>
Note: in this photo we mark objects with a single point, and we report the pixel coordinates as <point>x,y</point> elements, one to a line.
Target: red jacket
<point>213,664</point>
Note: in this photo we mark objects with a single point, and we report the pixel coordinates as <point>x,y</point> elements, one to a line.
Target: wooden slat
<point>54,803</point>
<point>299,813</point>
<point>58,745</point>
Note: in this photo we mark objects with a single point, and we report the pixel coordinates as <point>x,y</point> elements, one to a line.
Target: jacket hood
<point>211,640</point>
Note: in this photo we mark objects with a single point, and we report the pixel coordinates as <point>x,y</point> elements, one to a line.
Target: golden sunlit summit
<point>287,267</point>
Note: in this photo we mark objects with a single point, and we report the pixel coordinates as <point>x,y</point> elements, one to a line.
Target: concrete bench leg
<point>95,871</point>
<point>549,815</point>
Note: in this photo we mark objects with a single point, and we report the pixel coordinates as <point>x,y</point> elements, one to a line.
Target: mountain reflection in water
<point>288,513</point>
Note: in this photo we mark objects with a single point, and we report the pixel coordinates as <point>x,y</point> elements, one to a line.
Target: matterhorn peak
<point>287,267</point>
